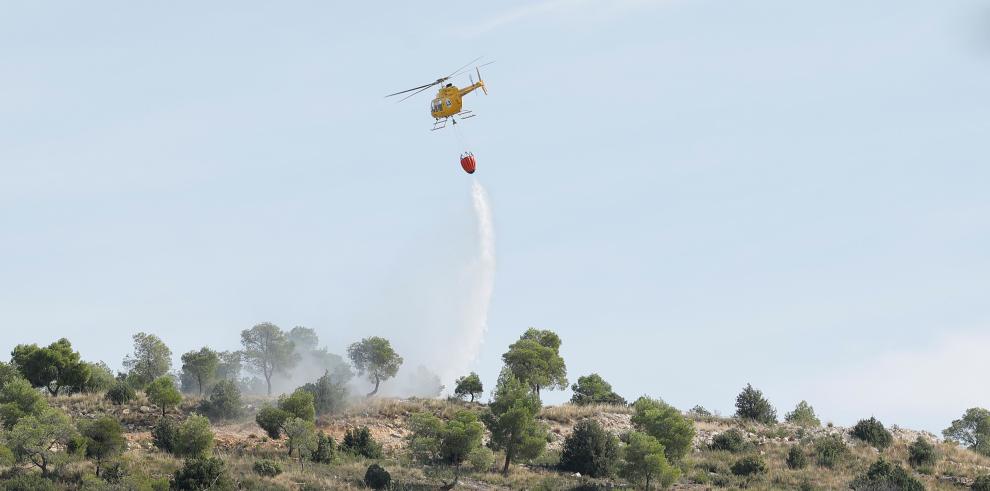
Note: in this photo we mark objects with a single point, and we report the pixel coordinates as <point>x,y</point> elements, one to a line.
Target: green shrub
<point>299,405</point>
<point>120,393</point>
<point>751,405</point>
<point>114,473</point>
<point>593,389</point>
<point>358,441</point>
<point>803,415</point>
<point>872,431</point>
<point>163,434</point>
<point>481,459</point>
<point>104,439</point>
<point>203,473</point>
<point>884,475</point>
<point>830,450</point>
<point>730,441</point>
<point>796,458</point>
<point>590,450</point>
<point>272,420</point>
<point>27,482</point>
<point>377,478</point>
<point>267,468</point>
<point>325,449</point>
<point>748,466</point>
<point>224,401</point>
<point>665,423</point>
<point>699,412</point>
<point>193,437</point>
<point>163,393</point>
<point>982,483</point>
<point>922,453</point>
<point>972,430</point>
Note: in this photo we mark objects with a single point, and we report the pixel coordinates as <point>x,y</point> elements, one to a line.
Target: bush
<point>982,483</point>
<point>299,405</point>
<point>377,478</point>
<point>730,440</point>
<point>163,393</point>
<point>590,450</point>
<point>27,482</point>
<point>481,459</point>
<point>203,473</point>
<point>699,411</point>
<point>922,453</point>
<point>114,473</point>
<point>796,458</point>
<point>884,475</point>
<point>325,448</point>
<point>267,468</point>
<point>120,393</point>
<point>104,439</point>
<point>872,431</point>
<point>193,437</point>
<point>224,401</point>
<point>665,423</point>
<point>593,389</point>
<point>803,415</point>
<point>329,394</point>
<point>163,434</point>
<point>751,405</point>
<point>748,466</point>
<point>830,450</point>
<point>358,441</point>
<point>272,420</point>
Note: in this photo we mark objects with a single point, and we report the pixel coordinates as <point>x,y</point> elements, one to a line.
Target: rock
<point>126,411</point>
<point>144,409</point>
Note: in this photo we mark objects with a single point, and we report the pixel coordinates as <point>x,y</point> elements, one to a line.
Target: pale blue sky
<point>693,194</point>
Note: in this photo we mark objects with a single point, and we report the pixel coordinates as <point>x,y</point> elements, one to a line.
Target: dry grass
<point>569,413</point>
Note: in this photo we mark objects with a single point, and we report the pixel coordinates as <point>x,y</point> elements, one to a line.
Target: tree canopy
<point>468,385</point>
<point>972,430</point>
<point>54,367</point>
<point>751,405</point>
<point>151,359</point>
<point>268,350</point>
<point>163,393</point>
<point>645,461</point>
<point>535,360</point>
<point>511,418</point>
<point>201,366</point>
<point>593,389</point>
<point>665,423</point>
<point>375,358</point>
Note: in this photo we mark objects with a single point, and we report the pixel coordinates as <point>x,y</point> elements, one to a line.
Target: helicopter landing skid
<point>442,123</point>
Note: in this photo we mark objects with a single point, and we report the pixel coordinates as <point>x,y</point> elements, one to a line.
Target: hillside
<point>241,443</point>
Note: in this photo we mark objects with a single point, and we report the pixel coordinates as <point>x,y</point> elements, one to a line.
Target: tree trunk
<point>163,410</point>
<point>377,383</point>
<point>508,459</point>
<point>472,397</point>
<point>199,381</point>
<point>268,380</point>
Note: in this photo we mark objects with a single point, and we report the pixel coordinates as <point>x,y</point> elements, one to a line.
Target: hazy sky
<point>693,194</point>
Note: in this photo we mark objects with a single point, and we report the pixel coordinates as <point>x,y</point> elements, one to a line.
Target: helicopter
<point>448,105</point>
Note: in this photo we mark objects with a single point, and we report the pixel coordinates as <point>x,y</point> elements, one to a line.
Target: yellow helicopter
<point>447,105</point>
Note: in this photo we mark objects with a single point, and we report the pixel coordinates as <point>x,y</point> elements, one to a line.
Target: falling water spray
<point>482,271</point>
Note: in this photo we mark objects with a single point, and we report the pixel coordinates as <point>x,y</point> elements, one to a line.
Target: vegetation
<point>535,360</point>
<point>267,351</point>
<point>873,432</point>
<point>120,393</point>
<point>55,367</point>
<point>377,477</point>
<point>151,359</point>
<point>201,366</point>
<point>375,358</point>
<point>358,441</point>
<point>748,466</point>
<point>468,385</point>
<point>972,430</point>
<point>884,475</point>
<point>36,440</point>
<point>645,462</point>
<point>163,393</point>
<point>830,450</point>
<point>299,405</point>
<point>224,402</point>
<point>797,458</point>
<point>203,473</point>
<point>17,400</point>
<point>590,450</point>
<point>267,468</point>
<point>511,418</point>
<point>665,423</point>
<point>272,419</point>
<point>922,453</point>
<point>981,483</point>
<point>803,415</point>
<point>104,438</point>
<point>329,393</point>
<point>731,440</point>
<point>593,389</point>
<point>751,405</point>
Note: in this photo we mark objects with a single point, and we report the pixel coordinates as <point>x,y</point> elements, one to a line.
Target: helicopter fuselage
<point>448,103</point>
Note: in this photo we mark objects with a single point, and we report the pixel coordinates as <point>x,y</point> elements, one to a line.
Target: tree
<point>665,423</point>
<point>535,360</point>
<point>303,339</point>
<point>17,400</point>
<point>645,461</point>
<point>120,393</point>
<point>803,415</point>
<point>229,365</point>
<point>151,359</point>
<point>203,473</point>
<point>299,405</point>
<point>163,393</point>
<point>468,385</point>
<point>54,367</point>
<point>39,440</point>
<point>450,443</point>
<point>104,439</point>
<point>100,378</point>
<point>377,478</point>
<point>224,401</point>
<point>922,453</point>
<point>375,358</point>
<point>325,449</point>
<point>267,350</point>
<point>302,438</point>
<point>593,389</point>
<point>972,430</point>
<point>590,450</point>
<point>201,366</point>
<point>751,405</point>
<point>511,418</point>
<point>358,441</point>
<point>329,395</point>
<point>193,437</point>
<point>272,420</point>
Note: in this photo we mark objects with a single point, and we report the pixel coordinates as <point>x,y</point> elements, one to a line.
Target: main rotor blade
<point>414,93</point>
<point>431,84</point>
<point>463,67</point>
